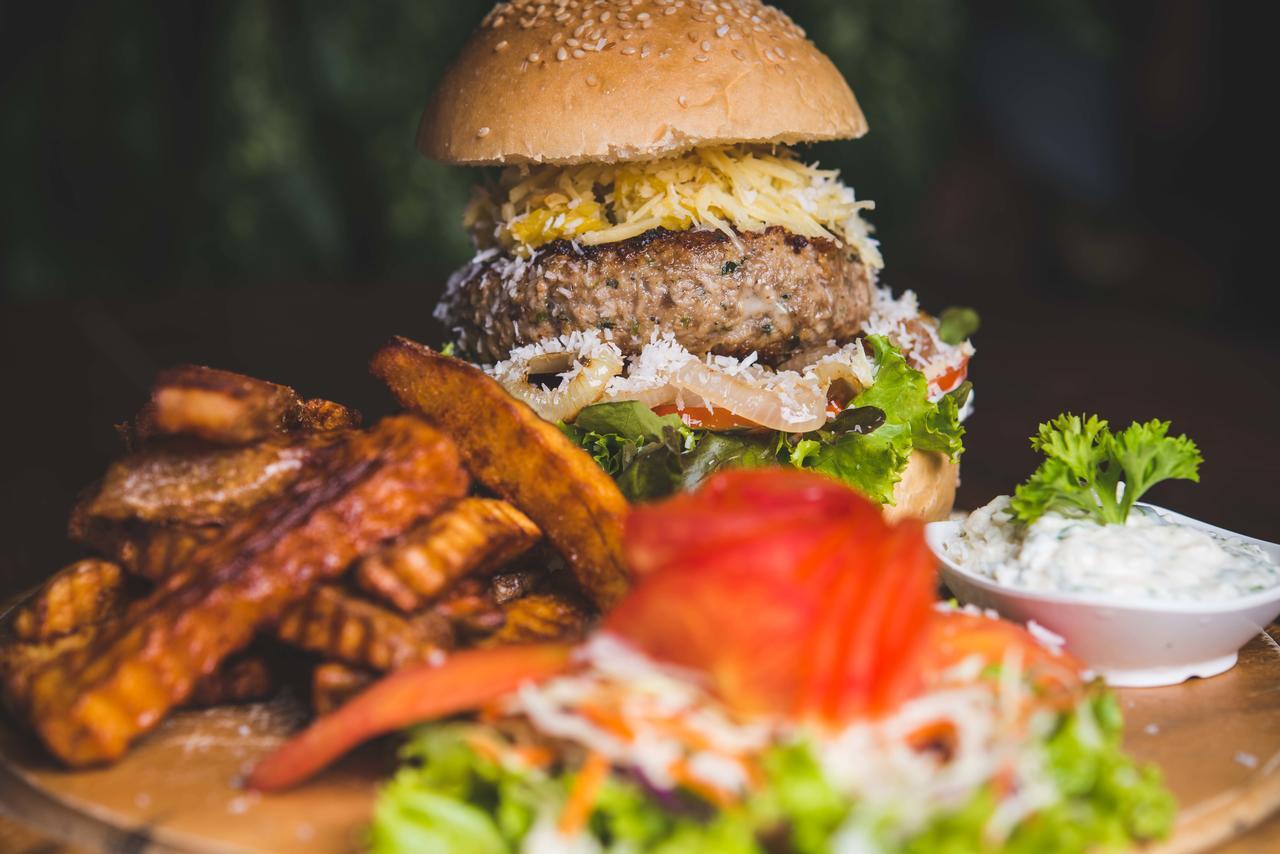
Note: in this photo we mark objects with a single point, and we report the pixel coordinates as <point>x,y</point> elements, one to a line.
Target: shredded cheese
<point>727,188</point>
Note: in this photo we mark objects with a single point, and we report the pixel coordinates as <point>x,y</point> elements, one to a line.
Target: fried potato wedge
<point>238,680</point>
<point>89,704</point>
<point>472,534</point>
<point>227,408</point>
<point>541,617</point>
<point>322,416</point>
<point>148,551</point>
<point>194,484</point>
<point>337,624</point>
<point>520,457</point>
<point>21,660</point>
<point>333,683</point>
<point>218,406</point>
<point>78,595</point>
<point>470,609</point>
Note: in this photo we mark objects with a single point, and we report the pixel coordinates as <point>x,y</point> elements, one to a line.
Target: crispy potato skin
<point>339,625</point>
<point>541,617</point>
<point>239,680</point>
<point>218,406</point>
<point>333,683</point>
<point>78,595</point>
<point>198,484</point>
<point>89,704</point>
<point>227,408</point>
<point>475,533</point>
<point>520,457</point>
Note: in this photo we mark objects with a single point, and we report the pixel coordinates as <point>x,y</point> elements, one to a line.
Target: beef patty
<point>775,294</point>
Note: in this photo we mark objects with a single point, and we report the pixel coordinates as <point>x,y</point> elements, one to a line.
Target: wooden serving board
<point>1217,741</point>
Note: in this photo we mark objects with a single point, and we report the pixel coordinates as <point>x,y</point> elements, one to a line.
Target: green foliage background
<point>154,146</point>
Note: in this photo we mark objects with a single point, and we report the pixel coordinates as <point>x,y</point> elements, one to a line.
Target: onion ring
<point>578,388</point>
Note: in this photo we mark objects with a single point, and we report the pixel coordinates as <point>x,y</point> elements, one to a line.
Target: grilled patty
<point>774,294</point>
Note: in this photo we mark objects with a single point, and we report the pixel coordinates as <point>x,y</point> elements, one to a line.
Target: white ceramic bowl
<point>1129,642</point>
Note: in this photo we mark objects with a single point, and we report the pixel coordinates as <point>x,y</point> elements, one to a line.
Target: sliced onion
<point>564,402</point>
<point>798,409</point>
<point>848,365</point>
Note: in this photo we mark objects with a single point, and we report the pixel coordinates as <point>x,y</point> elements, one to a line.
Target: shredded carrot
<point>607,719</point>
<point>535,756</point>
<point>582,797</point>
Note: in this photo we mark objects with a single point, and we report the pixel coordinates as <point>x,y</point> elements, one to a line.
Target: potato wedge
<point>78,595</point>
<point>336,624</point>
<point>514,453</point>
<point>472,534</point>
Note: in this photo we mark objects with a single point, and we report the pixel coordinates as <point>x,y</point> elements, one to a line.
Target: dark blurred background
<point>235,183</point>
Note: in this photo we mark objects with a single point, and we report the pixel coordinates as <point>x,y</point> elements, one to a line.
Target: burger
<point>661,271</point>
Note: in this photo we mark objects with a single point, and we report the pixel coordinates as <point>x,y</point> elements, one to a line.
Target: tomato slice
<point>701,417</point>
<point>788,589</point>
<point>414,695</point>
<point>952,377</point>
<point>958,636</point>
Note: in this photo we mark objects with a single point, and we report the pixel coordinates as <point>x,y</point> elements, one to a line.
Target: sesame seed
<point>683,101</point>
<point>628,50</point>
<point>779,52</point>
<point>592,80</point>
<point>706,46</point>
<point>482,133</point>
<point>702,57</point>
<point>670,10</point>
<point>644,51</point>
<point>643,16</point>
<point>605,16</point>
<point>701,19</point>
<point>719,19</point>
<point>501,46</point>
<point>722,31</point>
<point>535,56</point>
<point>562,54</point>
<point>600,45</point>
<point>579,53</point>
<point>573,43</point>
<point>499,21</point>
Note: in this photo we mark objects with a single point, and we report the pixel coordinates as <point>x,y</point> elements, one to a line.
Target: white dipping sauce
<point>1149,557</point>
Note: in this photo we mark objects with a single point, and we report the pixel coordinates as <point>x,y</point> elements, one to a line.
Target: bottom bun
<point>927,489</point>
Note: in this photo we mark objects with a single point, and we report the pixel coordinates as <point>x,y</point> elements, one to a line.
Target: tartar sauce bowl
<point>1130,642</point>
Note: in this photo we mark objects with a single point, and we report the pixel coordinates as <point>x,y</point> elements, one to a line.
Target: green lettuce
<point>866,446</point>
<point>452,799</point>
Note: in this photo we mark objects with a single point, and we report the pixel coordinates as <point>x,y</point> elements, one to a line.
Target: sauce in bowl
<point>1151,556</point>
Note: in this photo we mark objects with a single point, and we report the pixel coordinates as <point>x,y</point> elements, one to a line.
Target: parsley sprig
<point>1085,463</point>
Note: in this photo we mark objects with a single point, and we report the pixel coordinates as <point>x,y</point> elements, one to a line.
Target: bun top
<point>568,81</point>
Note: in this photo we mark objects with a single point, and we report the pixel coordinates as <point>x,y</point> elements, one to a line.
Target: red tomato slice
<point>787,588</point>
<point>414,695</point>
<point>956,636</point>
<point>704,418</point>
<point>952,377</point>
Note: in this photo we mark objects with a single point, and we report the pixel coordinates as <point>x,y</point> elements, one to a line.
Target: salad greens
<point>453,797</point>
<point>957,324</point>
<point>867,445</point>
<point>1086,464</point>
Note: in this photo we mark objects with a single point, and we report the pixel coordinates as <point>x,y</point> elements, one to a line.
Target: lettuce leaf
<point>450,798</point>
<point>867,446</point>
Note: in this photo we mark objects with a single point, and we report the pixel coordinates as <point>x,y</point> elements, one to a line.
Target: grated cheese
<point>727,188</point>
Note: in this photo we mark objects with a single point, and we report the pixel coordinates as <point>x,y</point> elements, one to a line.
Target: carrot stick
<point>413,695</point>
<point>582,797</point>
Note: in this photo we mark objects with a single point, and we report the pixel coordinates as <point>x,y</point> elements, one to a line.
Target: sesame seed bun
<point>927,490</point>
<point>567,82</point>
